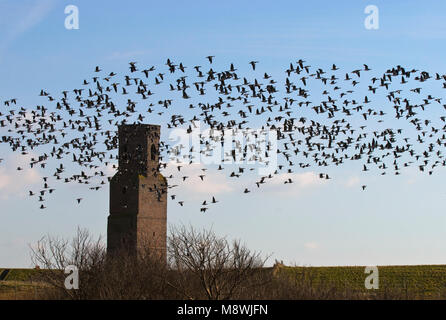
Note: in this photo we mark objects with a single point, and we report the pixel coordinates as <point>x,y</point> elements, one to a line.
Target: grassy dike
<point>395,282</point>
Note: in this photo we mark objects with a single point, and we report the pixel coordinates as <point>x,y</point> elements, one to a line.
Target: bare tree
<point>121,275</point>
<point>202,260</point>
<point>201,265</point>
<point>54,254</point>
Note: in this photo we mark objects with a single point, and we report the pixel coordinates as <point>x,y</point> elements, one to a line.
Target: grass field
<point>19,274</point>
<point>421,282</point>
<point>411,282</point>
<point>18,284</point>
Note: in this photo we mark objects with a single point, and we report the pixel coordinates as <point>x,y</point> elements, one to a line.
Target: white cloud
<point>21,16</point>
<point>311,245</point>
<point>14,182</point>
<point>16,242</point>
<point>213,182</point>
<point>218,182</point>
<point>110,169</point>
<point>300,182</point>
<point>352,182</point>
<point>304,179</point>
<point>33,16</point>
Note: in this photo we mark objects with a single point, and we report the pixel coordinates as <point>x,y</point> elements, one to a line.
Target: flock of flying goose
<point>322,118</point>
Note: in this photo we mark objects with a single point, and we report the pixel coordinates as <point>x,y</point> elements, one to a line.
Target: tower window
<point>153,152</point>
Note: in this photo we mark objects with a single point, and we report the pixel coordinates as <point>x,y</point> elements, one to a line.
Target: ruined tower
<point>138,193</point>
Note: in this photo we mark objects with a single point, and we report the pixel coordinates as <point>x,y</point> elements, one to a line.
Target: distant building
<point>138,193</point>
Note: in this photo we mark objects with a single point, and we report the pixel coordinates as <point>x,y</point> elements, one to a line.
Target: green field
<point>422,282</point>
<point>402,282</point>
<point>19,274</point>
<point>18,284</point>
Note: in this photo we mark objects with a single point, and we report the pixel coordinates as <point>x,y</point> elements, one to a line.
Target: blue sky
<point>398,220</point>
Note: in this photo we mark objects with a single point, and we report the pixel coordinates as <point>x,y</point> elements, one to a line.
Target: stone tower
<point>138,193</point>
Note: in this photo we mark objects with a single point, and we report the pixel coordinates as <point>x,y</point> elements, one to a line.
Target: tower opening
<point>153,152</point>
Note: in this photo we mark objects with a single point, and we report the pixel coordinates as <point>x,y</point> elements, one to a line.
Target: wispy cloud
<point>21,16</point>
<point>352,182</point>
<point>213,183</point>
<point>14,182</point>
<point>311,245</point>
<point>300,182</point>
